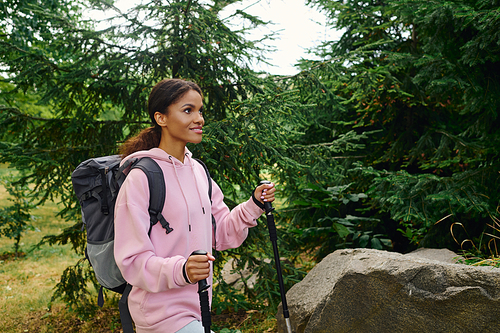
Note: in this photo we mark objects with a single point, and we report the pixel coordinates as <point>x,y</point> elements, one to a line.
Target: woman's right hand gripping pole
<point>198,266</point>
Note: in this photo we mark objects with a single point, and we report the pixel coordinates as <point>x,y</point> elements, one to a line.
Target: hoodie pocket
<point>154,308</point>
<point>145,309</point>
<point>136,299</point>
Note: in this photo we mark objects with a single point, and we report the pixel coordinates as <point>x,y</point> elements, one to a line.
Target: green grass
<point>4,171</point>
<point>26,282</point>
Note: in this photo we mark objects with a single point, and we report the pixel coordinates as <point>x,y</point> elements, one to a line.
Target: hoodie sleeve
<point>134,252</point>
<point>232,225</point>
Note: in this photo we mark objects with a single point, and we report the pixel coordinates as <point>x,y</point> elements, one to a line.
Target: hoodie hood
<point>157,154</point>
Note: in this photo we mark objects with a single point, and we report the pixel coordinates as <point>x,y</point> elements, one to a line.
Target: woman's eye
<point>190,110</point>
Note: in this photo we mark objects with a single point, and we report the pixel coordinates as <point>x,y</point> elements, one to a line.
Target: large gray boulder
<point>365,290</point>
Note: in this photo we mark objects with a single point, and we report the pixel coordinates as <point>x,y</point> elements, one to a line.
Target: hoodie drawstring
<point>182,192</point>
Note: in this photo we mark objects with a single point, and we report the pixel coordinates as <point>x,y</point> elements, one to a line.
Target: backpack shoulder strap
<point>157,191</point>
<point>214,224</point>
<point>208,177</point>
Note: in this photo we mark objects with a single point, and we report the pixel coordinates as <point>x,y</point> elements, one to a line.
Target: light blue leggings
<point>193,327</point>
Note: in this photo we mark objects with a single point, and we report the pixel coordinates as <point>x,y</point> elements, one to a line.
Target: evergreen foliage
<point>389,142</point>
<point>15,219</point>
<point>419,79</point>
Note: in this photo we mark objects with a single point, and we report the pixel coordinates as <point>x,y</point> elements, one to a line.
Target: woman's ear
<point>161,119</point>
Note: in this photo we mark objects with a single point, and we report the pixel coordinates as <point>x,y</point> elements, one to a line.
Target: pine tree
<point>94,84</point>
<point>419,79</point>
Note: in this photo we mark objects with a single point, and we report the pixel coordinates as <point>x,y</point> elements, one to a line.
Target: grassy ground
<point>27,282</point>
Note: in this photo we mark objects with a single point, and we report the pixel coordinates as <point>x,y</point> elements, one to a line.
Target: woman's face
<point>184,119</point>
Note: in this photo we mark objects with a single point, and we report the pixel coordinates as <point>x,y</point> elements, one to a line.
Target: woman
<point>159,267</point>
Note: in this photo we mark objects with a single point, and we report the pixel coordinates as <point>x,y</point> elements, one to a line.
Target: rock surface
<point>234,276</point>
<point>365,290</point>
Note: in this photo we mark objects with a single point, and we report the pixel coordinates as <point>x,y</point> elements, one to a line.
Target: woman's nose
<point>200,118</point>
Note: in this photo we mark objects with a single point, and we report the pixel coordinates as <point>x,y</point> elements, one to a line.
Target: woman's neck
<point>175,150</point>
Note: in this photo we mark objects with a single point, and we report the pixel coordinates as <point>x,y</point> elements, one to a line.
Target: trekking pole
<point>274,240</point>
<point>203,286</point>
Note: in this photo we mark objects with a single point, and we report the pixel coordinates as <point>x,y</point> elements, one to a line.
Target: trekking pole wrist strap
<point>184,273</point>
<point>257,202</point>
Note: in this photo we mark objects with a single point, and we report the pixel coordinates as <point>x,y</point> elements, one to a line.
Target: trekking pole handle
<point>202,284</point>
<point>268,207</point>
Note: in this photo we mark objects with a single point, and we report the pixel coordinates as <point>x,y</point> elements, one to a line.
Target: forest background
<point>390,141</point>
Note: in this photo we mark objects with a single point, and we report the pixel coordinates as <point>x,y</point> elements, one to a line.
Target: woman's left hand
<point>265,193</point>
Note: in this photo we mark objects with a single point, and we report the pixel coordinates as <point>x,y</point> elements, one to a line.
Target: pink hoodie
<point>161,300</point>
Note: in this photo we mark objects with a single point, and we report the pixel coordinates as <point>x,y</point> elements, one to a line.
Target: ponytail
<point>146,139</point>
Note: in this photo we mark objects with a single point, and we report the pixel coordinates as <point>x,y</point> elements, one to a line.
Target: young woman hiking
<point>159,266</point>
